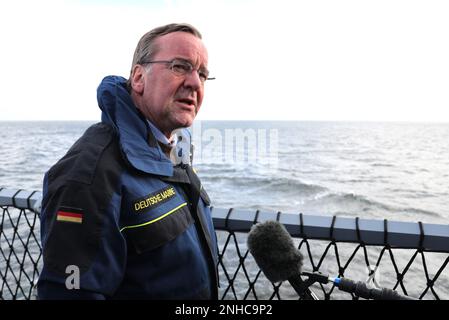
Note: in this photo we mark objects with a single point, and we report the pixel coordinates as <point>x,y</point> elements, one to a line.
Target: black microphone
<point>276,255</point>
<point>360,289</point>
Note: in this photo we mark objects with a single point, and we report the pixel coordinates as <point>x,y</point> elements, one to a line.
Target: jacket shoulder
<point>95,148</point>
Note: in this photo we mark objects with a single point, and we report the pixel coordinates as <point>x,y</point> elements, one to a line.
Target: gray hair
<point>146,48</point>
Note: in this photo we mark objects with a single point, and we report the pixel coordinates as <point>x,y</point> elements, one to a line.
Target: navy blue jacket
<point>116,208</point>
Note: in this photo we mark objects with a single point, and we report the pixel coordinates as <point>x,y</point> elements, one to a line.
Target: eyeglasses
<point>183,67</point>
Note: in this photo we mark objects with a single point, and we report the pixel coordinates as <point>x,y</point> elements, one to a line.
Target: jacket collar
<point>137,143</point>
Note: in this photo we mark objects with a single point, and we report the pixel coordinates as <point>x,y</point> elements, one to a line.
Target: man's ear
<point>138,79</point>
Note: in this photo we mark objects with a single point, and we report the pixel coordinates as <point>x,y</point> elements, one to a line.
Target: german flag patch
<point>73,215</point>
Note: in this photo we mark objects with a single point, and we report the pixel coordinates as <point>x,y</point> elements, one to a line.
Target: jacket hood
<point>136,140</point>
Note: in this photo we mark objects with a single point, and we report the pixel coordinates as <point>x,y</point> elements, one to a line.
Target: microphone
<point>276,255</point>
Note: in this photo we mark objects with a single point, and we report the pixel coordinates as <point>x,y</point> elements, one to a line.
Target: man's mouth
<point>186,101</point>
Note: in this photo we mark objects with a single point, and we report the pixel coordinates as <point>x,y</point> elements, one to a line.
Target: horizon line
<point>248,120</point>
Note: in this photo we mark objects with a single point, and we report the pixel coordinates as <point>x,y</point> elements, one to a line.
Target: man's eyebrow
<point>202,67</point>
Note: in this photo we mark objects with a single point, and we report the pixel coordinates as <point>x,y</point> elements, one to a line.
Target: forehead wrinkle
<point>174,45</point>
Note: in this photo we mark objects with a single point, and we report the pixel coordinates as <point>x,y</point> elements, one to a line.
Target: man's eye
<point>181,67</point>
<point>203,76</point>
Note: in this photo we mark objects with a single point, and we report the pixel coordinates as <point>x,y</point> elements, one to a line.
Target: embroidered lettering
<point>153,199</point>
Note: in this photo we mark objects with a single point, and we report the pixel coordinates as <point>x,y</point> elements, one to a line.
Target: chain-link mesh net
<point>412,272</point>
<point>20,253</point>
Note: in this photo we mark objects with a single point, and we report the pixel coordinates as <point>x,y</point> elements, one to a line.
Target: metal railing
<point>409,257</point>
<point>20,248</point>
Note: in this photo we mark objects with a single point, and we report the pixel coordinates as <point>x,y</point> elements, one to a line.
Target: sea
<point>398,171</point>
<point>380,170</point>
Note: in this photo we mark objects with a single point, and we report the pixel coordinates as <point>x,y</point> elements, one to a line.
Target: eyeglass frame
<point>184,61</point>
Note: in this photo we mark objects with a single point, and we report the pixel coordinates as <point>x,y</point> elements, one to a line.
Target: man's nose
<point>193,80</point>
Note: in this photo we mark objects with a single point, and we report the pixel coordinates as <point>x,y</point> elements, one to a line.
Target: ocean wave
<point>355,204</point>
<point>348,199</point>
<point>288,194</point>
<point>413,193</point>
<point>419,212</point>
<point>385,165</point>
<point>262,185</point>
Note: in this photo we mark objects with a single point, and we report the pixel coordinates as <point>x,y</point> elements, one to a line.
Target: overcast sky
<point>282,60</point>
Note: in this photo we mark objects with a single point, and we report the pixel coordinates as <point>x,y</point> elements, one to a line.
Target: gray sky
<point>281,60</point>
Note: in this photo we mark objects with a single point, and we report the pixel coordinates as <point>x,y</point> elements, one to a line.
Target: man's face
<point>169,100</point>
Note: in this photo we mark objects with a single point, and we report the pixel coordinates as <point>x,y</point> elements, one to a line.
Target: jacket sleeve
<point>84,252</point>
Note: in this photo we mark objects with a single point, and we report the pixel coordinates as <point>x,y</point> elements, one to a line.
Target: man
<point>119,220</point>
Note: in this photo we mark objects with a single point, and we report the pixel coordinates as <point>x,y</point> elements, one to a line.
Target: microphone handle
<point>360,289</point>
<point>302,288</point>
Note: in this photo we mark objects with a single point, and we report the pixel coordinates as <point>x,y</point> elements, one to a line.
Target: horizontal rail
<point>21,199</point>
<point>396,234</point>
